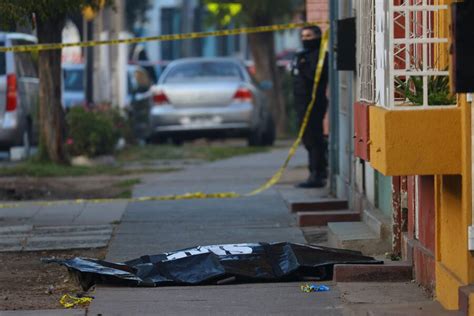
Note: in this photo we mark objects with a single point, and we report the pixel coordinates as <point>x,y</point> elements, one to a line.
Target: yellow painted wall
<point>415,142</point>
<point>437,141</point>
<point>455,264</point>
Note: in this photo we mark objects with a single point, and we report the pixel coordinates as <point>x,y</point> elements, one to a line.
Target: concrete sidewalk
<point>32,227</point>
<point>154,227</point>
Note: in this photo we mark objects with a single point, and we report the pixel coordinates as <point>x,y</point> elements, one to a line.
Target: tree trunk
<point>51,114</point>
<point>262,47</point>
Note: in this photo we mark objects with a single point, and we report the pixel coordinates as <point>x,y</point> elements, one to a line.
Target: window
<point>74,79</point>
<point>170,24</point>
<point>418,71</point>
<point>200,71</point>
<point>199,16</point>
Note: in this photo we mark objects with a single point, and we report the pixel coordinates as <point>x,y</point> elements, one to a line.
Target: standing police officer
<point>303,72</point>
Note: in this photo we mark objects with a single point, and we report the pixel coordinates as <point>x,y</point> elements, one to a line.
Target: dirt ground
<point>26,283</point>
<point>60,188</point>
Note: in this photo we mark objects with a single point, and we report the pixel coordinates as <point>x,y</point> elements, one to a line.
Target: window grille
<point>417,75</point>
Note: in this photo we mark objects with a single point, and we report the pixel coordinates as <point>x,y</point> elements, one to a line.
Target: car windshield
<point>2,61</point>
<point>204,71</point>
<point>73,79</point>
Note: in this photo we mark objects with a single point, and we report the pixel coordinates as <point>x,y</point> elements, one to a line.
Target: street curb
<point>392,272</point>
<point>317,205</point>
<point>322,218</point>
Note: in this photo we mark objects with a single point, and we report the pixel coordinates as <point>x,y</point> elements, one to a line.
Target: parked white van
<point>19,93</point>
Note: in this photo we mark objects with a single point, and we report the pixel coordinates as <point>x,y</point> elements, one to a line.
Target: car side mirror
<point>266,85</point>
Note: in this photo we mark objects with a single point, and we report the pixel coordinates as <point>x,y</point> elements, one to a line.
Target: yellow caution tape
<point>222,195</point>
<point>319,70</point>
<point>171,37</point>
<point>69,301</point>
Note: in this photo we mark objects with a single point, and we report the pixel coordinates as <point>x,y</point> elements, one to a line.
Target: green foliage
<point>254,13</point>
<point>438,90</point>
<point>122,126</point>
<point>36,168</point>
<point>125,184</point>
<point>21,11</point>
<point>188,151</point>
<point>91,133</point>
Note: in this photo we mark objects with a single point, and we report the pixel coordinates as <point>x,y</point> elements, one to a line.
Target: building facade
<point>183,16</point>
<point>400,143</point>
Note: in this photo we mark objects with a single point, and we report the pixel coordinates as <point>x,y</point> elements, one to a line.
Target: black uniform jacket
<point>303,71</point>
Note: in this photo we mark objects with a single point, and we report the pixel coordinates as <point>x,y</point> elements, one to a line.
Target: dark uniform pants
<point>313,138</point>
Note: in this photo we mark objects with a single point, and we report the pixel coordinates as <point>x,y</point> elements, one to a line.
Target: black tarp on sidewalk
<point>217,264</point>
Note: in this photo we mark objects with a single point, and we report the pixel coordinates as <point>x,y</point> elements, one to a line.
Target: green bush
<point>122,125</point>
<point>91,133</point>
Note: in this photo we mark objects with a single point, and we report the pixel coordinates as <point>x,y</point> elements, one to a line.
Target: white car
<point>211,97</point>
<point>19,93</point>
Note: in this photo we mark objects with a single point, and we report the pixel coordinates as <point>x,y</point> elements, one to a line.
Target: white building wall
<point>153,26</point>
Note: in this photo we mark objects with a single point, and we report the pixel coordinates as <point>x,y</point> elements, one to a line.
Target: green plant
<point>188,151</point>
<point>90,133</point>
<point>122,125</point>
<point>438,90</point>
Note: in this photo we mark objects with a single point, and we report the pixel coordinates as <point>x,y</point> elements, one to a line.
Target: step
<point>322,218</point>
<point>394,271</point>
<point>356,236</point>
<point>317,205</point>
<point>378,223</point>
<point>464,293</point>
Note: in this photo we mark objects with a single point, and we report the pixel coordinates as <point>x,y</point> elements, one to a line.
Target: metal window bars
<point>417,75</point>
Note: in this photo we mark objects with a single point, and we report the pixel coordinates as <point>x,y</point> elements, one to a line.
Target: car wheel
<point>269,134</point>
<point>255,138</point>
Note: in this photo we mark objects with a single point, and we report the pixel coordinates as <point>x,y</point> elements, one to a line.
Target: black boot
<point>314,181</point>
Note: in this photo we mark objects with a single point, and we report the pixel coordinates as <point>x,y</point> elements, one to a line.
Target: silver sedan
<point>210,97</point>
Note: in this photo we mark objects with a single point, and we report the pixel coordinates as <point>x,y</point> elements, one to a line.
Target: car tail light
<point>12,99</point>
<point>243,95</point>
<point>160,98</point>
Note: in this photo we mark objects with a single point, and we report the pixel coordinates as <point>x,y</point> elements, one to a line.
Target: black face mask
<point>312,44</point>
